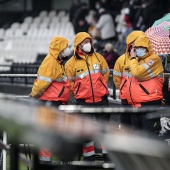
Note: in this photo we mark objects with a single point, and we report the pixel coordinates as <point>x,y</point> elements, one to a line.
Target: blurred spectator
<point>98,47</point>
<point>121,27</point>
<point>74,7</point>
<point>92,19</point>
<point>128,22</point>
<point>98,5</point>
<point>79,22</point>
<point>110,55</point>
<point>106,26</point>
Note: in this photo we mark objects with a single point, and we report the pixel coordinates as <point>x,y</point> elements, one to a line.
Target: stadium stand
<point>27,43</point>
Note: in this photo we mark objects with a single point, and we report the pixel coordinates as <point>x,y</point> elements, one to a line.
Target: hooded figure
<point>52,83</point>
<point>88,73</point>
<point>146,69</point>
<point>121,67</point>
<point>145,84</point>
<point>87,70</point>
<point>121,73</point>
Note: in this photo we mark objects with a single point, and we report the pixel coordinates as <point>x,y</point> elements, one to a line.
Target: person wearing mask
<point>52,84</point>
<point>88,73</point>
<point>121,73</point>
<point>110,55</point>
<point>145,86</point>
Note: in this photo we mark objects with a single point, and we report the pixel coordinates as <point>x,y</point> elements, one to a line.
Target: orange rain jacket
<point>146,82</point>
<point>52,83</point>
<point>121,70</point>
<point>89,74</point>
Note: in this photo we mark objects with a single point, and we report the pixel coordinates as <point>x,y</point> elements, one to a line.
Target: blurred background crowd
<point>27,27</point>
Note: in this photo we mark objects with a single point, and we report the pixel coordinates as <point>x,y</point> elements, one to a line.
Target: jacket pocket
<point>78,87</point>
<point>143,88</point>
<point>61,92</point>
<point>103,84</point>
<point>123,84</point>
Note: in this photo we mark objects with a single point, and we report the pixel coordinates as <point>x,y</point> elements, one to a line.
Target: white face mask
<point>66,52</point>
<point>87,47</point>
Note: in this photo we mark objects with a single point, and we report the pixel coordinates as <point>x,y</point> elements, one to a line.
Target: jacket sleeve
<point>117,78</point>
<point>70,73</point>
<point>45,77</point>
<point>105,69</point>
<point>146,70</point>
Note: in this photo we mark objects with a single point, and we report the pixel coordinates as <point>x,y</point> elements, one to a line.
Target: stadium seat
<point>43,14</point>
<point>61,14</point>
<point>52,14</point>
<point>15,25</point>
<point>28,20</point>
<point>2,34</point>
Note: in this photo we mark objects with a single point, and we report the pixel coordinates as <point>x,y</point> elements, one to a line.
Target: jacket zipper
<point>130,92</point>
<point>143,88</point>
<point>78,87</point>
<point>61,92</point>
<point>103,84</point>
<point>123,84</point>
<point>90,79</point>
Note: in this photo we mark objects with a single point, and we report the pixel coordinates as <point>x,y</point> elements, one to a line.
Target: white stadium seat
<point>22,42</point>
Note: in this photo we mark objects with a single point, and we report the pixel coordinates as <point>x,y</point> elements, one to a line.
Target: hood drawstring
<point>97,57</point>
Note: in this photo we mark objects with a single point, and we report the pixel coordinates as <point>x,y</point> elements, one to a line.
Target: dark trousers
<point>139,121</point>
<point>50,103</point>
<point>125,118</point>
<point>98,116</point>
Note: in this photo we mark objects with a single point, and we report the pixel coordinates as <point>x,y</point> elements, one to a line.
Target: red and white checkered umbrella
<point>159,37</point>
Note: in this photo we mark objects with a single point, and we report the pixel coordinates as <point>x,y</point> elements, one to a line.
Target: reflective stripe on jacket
<point>58,90</point>
<point>89,82</point>
<point>121,70</point>
<point>147,71</point>
<point>121,74</point>
<point>88,75</point>
<point>52,83</point>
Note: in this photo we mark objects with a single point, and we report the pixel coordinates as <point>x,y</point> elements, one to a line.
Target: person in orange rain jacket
<point>88,73</point>
<point>121,73</point>
<point>52,84</point>
<point>145,86</point>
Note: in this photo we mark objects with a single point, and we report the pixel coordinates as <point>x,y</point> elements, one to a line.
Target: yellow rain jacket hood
<point>57,45</point>
<point>133,36</point>
<point>81,36</point>
<point>88,74</point>
<point>52,83</point>
<point>146,82</point>
<point>144,41</point>
<point>121,67</point>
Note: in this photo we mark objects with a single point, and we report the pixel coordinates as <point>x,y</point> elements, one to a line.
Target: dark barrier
<point>27,121</point>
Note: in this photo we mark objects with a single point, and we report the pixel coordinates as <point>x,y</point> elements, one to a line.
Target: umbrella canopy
<point>159,37</point>
<point>164,18</point>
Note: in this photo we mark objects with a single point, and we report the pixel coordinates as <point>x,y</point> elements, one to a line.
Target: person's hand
<point>132,53</point>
